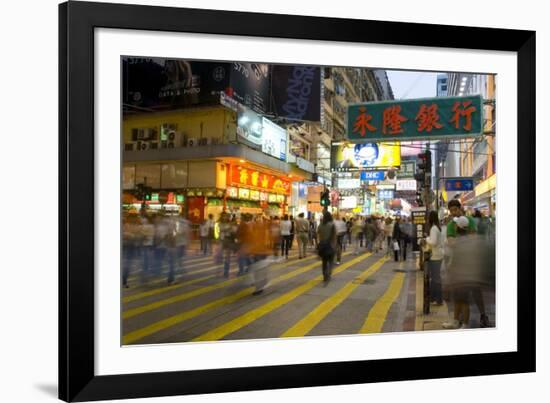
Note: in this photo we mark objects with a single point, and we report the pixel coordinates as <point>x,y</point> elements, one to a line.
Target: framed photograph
<point>261,201</point>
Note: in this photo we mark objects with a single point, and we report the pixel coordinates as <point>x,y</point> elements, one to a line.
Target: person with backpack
<point>327,245</point>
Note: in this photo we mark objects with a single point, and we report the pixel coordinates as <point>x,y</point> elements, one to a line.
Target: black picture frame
<point>77,379</point>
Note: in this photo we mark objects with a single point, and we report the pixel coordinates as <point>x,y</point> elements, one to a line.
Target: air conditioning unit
<point>129,146</point>
<point>203,141</point>
<point>151,133</point>
<point>176,138</point>
<point>192,142</point>
<point>142,145</point>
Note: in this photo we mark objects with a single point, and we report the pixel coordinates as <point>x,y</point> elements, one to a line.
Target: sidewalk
<point>443,313</point>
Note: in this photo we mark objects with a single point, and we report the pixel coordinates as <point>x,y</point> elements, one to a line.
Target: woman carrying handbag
<point>435,246</point>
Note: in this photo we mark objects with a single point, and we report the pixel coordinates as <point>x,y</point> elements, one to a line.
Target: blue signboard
<point>459,185</point>
<point>372,175</point>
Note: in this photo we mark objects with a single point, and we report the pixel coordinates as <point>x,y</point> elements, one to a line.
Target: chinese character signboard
<point>385,194</point>
<point>358,157</point>
<point>459,184</point>
<point>428,118</point>
<point>405,184</point>
<point>250,178</point>
<point>407,169</point>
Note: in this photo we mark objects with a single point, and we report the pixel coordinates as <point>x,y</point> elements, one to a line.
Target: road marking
<point>378,313</point>
<point>251,316</point>
<point>306,324</point>
<point>176,319</point>
<point>135,297</point>
<point>191,294</point>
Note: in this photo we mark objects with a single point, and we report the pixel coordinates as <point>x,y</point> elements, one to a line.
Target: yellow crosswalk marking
<point>173,320</point>
<point>251,316</point>
<point>135,297</point>
<point>378,313</point>
<point>191,294</point>
<point>306,324</point>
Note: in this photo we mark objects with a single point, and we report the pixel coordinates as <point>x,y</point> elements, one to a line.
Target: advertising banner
<point>249,127</point>
<point>459,184</point>
<point>249,85</point>
<point>427,118</point>
<point>405,184</point>
<point>274,139</point>
<point>407,169</point>
<point>357,157</point>
<point>372,175</point>
<point>348,202</point>
<point>385,194</point>
<point>349,183</point>
<point>164,84</point>
<point>296,92</point>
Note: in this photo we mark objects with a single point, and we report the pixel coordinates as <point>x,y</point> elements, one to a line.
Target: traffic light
<point>143,192</point>
<point>423,169</point>
<point>325,198</point>
<point>425,161</point>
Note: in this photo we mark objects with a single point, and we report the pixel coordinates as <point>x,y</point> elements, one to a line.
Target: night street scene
<point>268,201</point>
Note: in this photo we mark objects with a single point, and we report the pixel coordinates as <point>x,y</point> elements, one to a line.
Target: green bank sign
<point>426,118</point>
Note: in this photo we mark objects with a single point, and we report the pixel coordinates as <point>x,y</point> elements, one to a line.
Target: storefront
<point>254,191</point>
<point>485,196</point>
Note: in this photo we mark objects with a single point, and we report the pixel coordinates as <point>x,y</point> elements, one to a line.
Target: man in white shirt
<point>286,227</point>
<point>341,229</point>
<point>302,228</point>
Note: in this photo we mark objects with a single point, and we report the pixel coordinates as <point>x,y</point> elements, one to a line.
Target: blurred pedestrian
<point>388,232</point>
<point>258,249</point>
<point>396,238</point>
<point>340,226</point>
<point>302,230</point>
<point>356,231</point>
<point>286,233</point>
<point>275,227</point>
<point>130,245</point>
<point>327,245</point>
<point>406,235</point>
<point>312,231</point>
<point>471,268</point>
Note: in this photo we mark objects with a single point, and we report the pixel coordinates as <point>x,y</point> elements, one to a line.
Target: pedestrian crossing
<point>210,307</point>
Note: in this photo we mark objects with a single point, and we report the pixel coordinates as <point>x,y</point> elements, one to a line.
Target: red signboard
<point>251,178</point>
<point>195,210</point>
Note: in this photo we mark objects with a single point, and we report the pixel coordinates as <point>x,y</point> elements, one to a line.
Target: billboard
<point>372,175</point>
<point>412,119</point>
<point>405,184</point>
<point>164,84</point>
<point>273,139</point>
<point>296,92</point>
<point>366,156</point>
<point>249,85</point>
<point>249,127</point>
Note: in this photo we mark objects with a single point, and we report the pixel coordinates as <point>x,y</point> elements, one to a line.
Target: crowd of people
<point>459,251</point>
<point>152,243</point>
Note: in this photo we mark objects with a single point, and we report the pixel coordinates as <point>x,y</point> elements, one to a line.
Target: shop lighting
<point>464,79</point>
<point>242,161</point>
